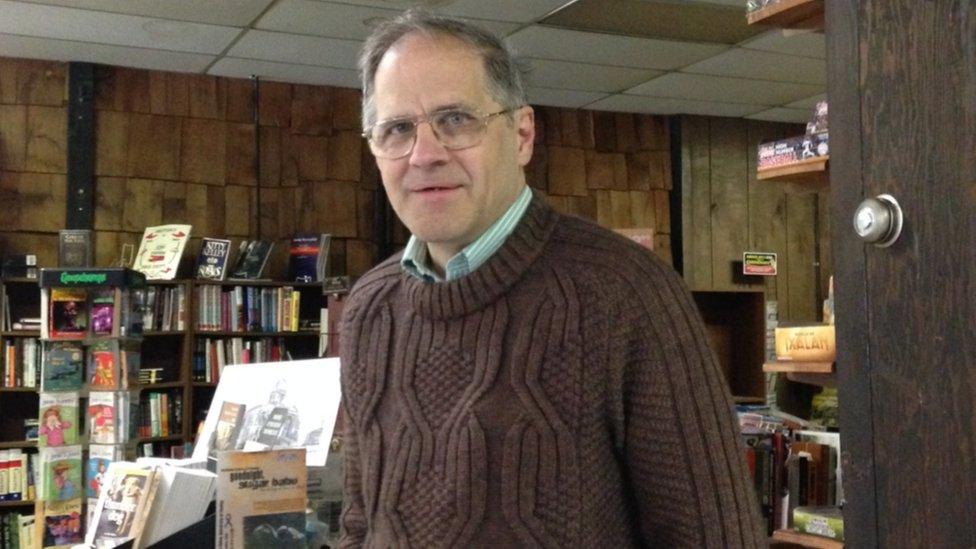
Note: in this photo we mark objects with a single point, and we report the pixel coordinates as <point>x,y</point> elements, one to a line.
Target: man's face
<point>448,197</point>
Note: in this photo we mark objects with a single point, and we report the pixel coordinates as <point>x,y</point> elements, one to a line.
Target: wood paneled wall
<point>726,211</point>
<point>179,148</point>
<point>613,168</point>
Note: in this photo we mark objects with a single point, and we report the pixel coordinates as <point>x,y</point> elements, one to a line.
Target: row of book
<point>21,361</point>
<point>812,144</point>
<point>14,474</point>
<point>163,307</point>
<point>211,355</point>
<point>16,531</point>
<point>160,415</point>
<point>78,313</point>
<point>109,418</point>
<point>247,308</point>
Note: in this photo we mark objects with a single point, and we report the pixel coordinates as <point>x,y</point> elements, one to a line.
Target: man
<point>515,377</point>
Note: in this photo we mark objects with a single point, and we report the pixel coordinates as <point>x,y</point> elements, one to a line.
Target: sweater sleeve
<point>353,519</point>
<point>681,445</point>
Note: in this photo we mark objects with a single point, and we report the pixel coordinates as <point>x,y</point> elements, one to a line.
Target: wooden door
<point>902,90</point>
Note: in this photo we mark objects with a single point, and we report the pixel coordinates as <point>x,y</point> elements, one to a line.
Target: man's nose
<point>427,149</point>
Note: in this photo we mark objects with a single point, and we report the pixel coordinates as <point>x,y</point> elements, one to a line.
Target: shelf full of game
<point>89,406</point>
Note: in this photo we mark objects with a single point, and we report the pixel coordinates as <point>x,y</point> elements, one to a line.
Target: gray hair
<point>501,67</point>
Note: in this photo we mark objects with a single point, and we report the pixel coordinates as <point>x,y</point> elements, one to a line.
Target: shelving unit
<point>805,176</point>
<point>790,14</point>
<point>789,538</point>
<point>822,374</point>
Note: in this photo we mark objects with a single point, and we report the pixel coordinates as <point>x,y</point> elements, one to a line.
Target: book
<point>123,505</point>
<point>825,521</point>
<point>62,366</point>
<point>185,491</point>
<point>103,311</point>
<point>160,251</point>
<point>212,261</point>
<point>285,405</point>
<point>261,499</point>
<point>815,343</point>
<point>68,313</point>
<point>255,259</point>
<point>75,248</point>
<point>228,428</point>
<point>62,523</point>
<point>100,456</point>
<point>113,364</point>
<point>58,418</point>
<point>60,470</point>
<point>303,258</point>
<point>104,417</point>
<point>322,265</point>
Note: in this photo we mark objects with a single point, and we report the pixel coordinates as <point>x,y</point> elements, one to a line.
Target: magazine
<point>261,499</point>
<point>160,251</point>
<point>282,405</point>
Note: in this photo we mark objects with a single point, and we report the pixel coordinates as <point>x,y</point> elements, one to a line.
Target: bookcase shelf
<point>19,390</point>
<point>812,373</point>
<point>805,176</point>
<point>164,385</point>
<point>4,445</point>
<point>20,333</point>
<point>790,14</point>
<point>16,503</point>
<point>163,333</point>
<point>167,438</point>
<point>790,538</point>
<point>299,333</point>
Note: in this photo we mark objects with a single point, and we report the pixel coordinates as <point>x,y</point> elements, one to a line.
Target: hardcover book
<point>58,417</point>
<point>123,505</point>
<point>160,251</point>
<point>303,258</point>
<point>62,523</point>
<point>255,259</point>
<point>60,473</point>
<point>261,499</point>
<point>62,366</point>
<point>74,248</point>
<point>68,315</point>
<point>212,261</point>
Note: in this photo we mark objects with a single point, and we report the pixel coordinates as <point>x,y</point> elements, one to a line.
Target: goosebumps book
<point>62,366</point>
<point>68,313</point>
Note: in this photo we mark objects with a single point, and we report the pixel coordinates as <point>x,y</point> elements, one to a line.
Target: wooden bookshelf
<point>805,176</point>
<point>18,444</point>
<point>790,14</point>
<point>20,333</point>
<point>206,333</point>
<point>19,389</point>
<point>812,373</point>
<point>16,503</point>
<point>790,538</point>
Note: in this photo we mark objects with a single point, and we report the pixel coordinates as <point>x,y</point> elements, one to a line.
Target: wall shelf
<point>790,538</point>
<point>811,373</point>
<point>790,14</point>
<point>805,176</point>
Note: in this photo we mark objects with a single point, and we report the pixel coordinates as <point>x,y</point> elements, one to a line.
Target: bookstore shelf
<point>204,384</point>
<point>20,333</point>
<point>167,438</point>
<point>164,385</point>
<point>790,14</point>
<point>16,503</point>
<point>211,333</point>
<point>18,444</point>
<point>805,176</point>
<point>162,333</point>
<point>789,538</point>
<point>822,374</point>
<point>19,390</point>
<point>249,282</point>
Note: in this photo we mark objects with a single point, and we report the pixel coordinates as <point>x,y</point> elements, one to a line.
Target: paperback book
<point>68,314</point>
<point>60,473</point>
<point>254,260</point>
<point>212,261</point>
<point>58,418</point>
<point>160,251</point>
<point>100,456</point>
<point>62,366</point>
<point>103,418</point>
<point>113,364</point>
<point>62,523</point>
<point>123,504</point>
<point>75,248</point>
<point>303,258</point>
<point>261,498</point>
<point>103,312</point>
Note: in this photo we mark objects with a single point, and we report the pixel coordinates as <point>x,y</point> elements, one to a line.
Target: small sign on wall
<point>759,263</point>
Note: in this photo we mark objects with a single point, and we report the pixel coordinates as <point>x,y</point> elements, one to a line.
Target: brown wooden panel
<point>40,200</point>
<point>154,147</point>
<point>767,214</point>
<point>652,133</point>
<point>587,136</point>
<point>337,257</point>
<point>8,80</point>
<point>268,208</point>
<point>110,194</point>
<point>289,209</point>
<point>638,171</point>
<point>347,111</point>
<point>659,169</point>
<point>44,245</point>
<point>662,211</point>
<point>13,136</point>
<point>240,100</point>
<point>604,131</point>
<point>569,127</point>
<point>122,89</point>
<point>360,256</point>
<point>730,206</point>
<point>239,154</point>
<point>311,110</point>
<point>567,171</point>
<point>662,247</point>
<point>238,209</point>
<point>271,157</point>
<point>801,215</point>
<point>345,158</point>
<point>599,170</point>
<point>604,209</point>
<point>552,122</point>
<point>620,172</point>
<point>143,205</point>
<point>108,246</point>
<point>111,142</point>
<point>536,172</point>
<point>202,151</point>
<point>696,202</point>
<point>275,100</point>
<point>169,93</point>
<point>334,207</point>
<point>365,202</point>
<point>207,96</point>
<point>174,202</point>
<point>47,139</point>
<point>585,207</point>
<point>205,209</point>
<point>41,83</point>
<point>643,209</point>
<point>621,212</point>
<point>626,130</point>
<point>311,157</point>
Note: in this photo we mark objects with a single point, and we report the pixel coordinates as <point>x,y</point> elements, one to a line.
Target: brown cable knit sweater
<point>561,395</point>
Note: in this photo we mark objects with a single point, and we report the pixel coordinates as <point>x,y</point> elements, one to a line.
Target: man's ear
<point>525,126</point>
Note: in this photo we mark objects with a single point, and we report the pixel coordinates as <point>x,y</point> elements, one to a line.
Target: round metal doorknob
<point>879,220</point>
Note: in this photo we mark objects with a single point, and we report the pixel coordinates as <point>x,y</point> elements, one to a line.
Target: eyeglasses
<point>455,129</point>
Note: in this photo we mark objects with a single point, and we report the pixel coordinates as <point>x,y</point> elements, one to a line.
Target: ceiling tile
<point>284,72</point>
<point>112,28</point>
<point>659,105</point>
<point>809,103</point>
<point>64,50</point>
<point>578,76</point>
<point>607,49</point>
<point>779,114</point>
<point>803,43</point>
<point>562,98</point>
<point>519,11</point>
<point>295,48</point>
<point>762,65</point>
<point>234,13</point>
<point>703,87</point>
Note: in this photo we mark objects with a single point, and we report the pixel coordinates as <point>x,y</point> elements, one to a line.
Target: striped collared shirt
<point>416,261</point>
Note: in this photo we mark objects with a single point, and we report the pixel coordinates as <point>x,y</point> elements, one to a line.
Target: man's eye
<point>394,129</point>
<point>456,118</point>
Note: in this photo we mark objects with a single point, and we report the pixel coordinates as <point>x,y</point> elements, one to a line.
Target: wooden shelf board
<point>19,390</point>
<point>20,333</point>
<point>799,367</point>
<point>790,14</point>
<point>205,384</point>
<point>20,280</point>
<point>163,385</point>
<point>19,444</point>
<point>169,438</point>
<point>748,399</point>
<point>17,503</point>
<point>157,333</point>
<point>247,282</point>
<point>806,176</point>
<point>207,333</point>
<point>806,540</point>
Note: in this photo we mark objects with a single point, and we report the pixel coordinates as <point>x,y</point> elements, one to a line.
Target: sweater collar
<point>496,276</point>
